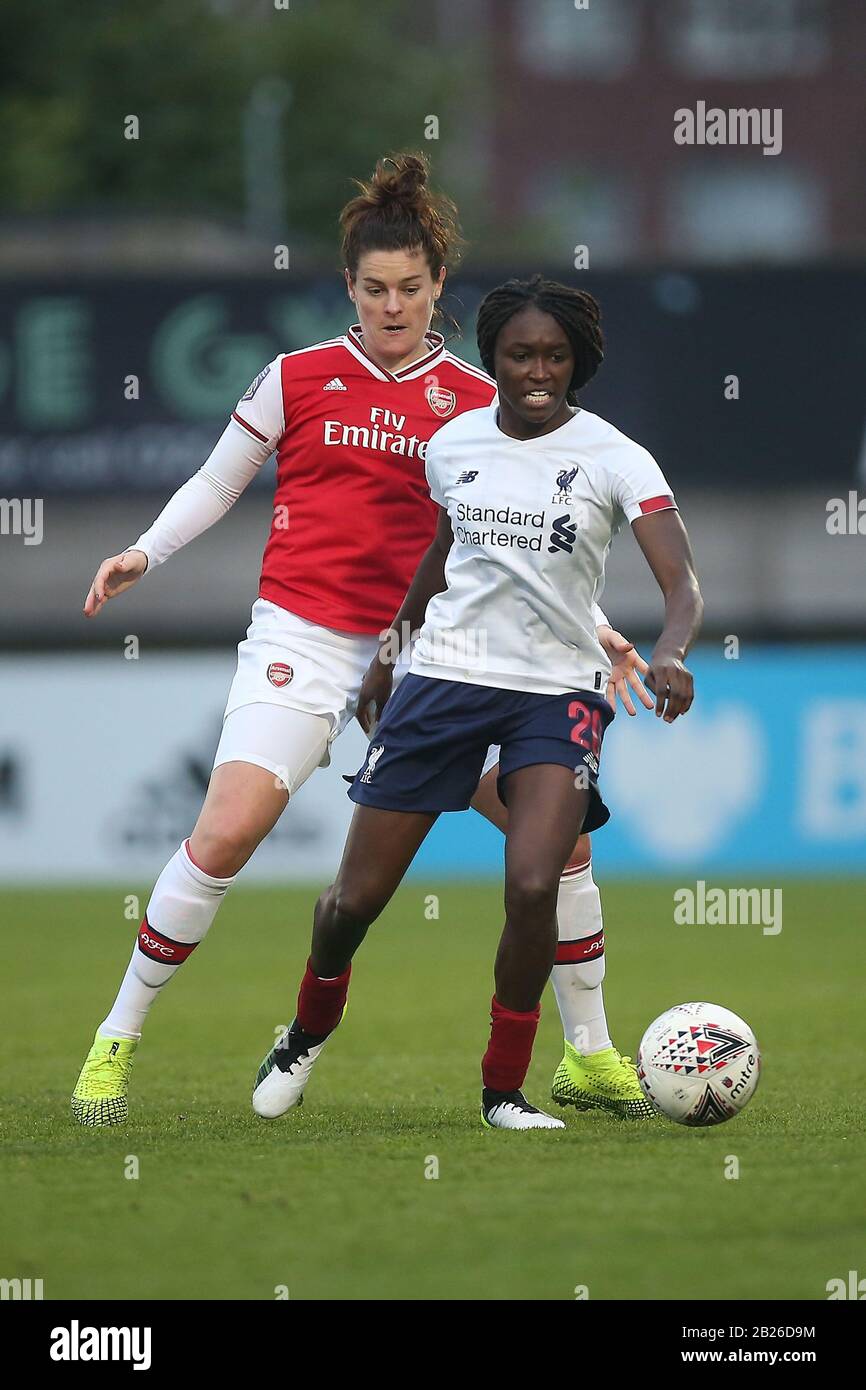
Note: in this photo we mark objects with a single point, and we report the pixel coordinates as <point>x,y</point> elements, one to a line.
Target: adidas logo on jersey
<point>335,384</point>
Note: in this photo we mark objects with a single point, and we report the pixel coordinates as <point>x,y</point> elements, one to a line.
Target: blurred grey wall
<point>768,566</point>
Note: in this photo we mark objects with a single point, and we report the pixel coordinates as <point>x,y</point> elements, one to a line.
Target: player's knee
<point>351,904</point>
<point>530,894</point>
<point>221,849</point>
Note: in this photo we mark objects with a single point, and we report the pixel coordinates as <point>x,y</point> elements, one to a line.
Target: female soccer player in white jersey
<point>531,490</point>
<point>350,420</point>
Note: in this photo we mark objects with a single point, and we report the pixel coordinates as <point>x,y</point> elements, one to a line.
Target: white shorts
<point>287,663</point>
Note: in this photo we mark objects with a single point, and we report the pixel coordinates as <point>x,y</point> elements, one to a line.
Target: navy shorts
<point>429,747</point>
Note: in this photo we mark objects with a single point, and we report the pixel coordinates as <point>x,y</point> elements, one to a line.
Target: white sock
<point>579,968</point>
<point>182,906</point>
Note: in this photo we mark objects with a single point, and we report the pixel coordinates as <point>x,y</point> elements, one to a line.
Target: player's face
<point>394,293</point>
<point>534,363</point>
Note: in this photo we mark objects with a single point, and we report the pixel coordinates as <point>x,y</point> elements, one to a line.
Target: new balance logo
<point>335,384</point>
<point>563,535</point>
<point>468,477</point>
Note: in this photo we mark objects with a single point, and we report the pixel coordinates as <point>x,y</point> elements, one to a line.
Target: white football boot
<point>284,1073</point>
<point>511,1110</point>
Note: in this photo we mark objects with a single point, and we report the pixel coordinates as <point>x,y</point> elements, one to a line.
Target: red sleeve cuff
<point>657,504</point>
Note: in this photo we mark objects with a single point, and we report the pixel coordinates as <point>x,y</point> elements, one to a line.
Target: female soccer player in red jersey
<point>506,563</point>
<point>350,420</point>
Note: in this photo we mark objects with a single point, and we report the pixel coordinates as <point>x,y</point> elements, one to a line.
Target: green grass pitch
<point>332,1202</point>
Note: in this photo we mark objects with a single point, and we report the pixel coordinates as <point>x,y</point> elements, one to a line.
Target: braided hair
<point>576,312</point>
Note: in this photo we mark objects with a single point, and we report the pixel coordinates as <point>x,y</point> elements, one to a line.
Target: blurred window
<point>731,212</point>
<point>587,208</point>
<point>555,38</point>
<point>748,38</point>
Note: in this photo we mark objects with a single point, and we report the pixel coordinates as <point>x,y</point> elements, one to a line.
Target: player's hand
<point>672,685</point>
<point>627,667</point>
<point>115,574</point>
<point>375,693</point>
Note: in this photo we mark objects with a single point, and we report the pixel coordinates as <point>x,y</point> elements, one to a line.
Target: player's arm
<point>197,505</point>
<point>662,537</point>
<point>201,501</point>
<point>429,580</point>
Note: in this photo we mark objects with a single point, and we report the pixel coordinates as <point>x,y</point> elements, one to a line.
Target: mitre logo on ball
<point>440,401</point>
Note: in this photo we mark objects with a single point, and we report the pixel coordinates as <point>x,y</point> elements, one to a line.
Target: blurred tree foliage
<point>363,78</point>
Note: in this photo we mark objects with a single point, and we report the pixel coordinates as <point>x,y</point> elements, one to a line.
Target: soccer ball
<point>699,1064</point>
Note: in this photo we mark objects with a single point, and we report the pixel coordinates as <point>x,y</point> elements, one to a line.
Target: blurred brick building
<point>577,129</point>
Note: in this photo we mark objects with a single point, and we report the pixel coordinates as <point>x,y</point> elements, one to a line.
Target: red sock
<point>506,1061</point>
<point>321,1002</point>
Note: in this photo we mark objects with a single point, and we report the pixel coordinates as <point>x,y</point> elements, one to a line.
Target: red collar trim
<point>435,343</point>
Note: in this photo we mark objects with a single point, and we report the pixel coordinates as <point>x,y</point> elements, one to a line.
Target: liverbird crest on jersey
<point>564,479</point>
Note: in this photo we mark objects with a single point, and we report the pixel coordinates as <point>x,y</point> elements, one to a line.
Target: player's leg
<point>425,758</point>
<point>592,1073</point>
<point>265,752</point>
<point>579,967</point>
<point>380,847</point>
<point>546,813</point>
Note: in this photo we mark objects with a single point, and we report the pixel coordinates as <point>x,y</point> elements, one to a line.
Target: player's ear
<point>439,283</point>
<point>350,284</point>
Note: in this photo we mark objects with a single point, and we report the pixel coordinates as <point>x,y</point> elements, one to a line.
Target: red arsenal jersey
<point>352,511</point>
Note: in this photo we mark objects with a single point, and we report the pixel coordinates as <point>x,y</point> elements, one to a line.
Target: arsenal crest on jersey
<point>440,401</point>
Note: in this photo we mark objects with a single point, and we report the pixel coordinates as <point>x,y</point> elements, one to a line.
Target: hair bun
<point>396,210</point>
<point>399,178</point>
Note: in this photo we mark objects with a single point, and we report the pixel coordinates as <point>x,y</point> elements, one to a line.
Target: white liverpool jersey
<point>533,520</point>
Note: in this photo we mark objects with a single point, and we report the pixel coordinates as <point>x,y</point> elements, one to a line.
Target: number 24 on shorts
<point>587,727</point>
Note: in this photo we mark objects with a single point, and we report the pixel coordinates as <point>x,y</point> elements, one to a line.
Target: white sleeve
<point>256,426</point>
<point>431,473</point>
<point>260,409</point>
<point>638,484</point>
<point>207,496</point>
<point>599,617</point>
